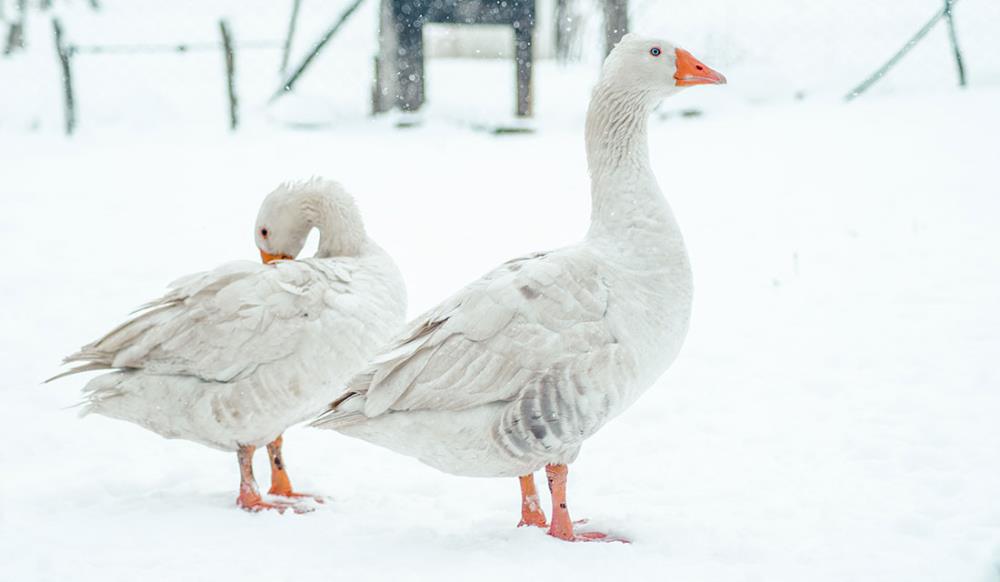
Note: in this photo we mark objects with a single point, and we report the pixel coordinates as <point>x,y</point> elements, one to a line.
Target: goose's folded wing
<point>486,342</point>
<point>220,325</point>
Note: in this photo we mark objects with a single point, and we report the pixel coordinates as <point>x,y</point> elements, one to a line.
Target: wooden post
<point>874,78</point>
<point>384,87</point>
<point>564,30</point>
<point>286,86</point>
<point>227,48</point>
<point>409,59</point>
<point>15,34</point>
<point>953,36</point>
<point>288,38</point>
<point>615,23</point>
<point>65,54</point>
<point>15,38</point>
<point>523,32</point>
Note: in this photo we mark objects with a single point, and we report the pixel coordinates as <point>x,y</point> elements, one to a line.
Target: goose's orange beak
<point>691,71</point>
<point>268,258</point>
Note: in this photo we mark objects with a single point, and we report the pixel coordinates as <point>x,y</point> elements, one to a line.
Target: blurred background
<point>772,51</point>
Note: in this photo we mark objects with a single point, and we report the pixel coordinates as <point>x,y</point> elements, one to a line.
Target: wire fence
<point>227,46</point>
<point>831,46</point>
<point>772,47</point>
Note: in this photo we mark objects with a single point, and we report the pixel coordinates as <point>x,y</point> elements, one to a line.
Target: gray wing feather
<point>218,325</point>
<point>488,341</point>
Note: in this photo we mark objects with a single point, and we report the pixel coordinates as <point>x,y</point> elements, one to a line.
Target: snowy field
<point>834,415</point>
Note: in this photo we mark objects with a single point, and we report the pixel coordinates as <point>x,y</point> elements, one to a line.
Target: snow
<point>833,415</point>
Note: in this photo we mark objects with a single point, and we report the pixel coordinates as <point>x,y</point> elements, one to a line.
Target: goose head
<point>293,209</point>
<point>655,67</point>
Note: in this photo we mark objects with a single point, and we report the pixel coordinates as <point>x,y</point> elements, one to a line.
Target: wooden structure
<point>399,67</point>
<point>615,23</point>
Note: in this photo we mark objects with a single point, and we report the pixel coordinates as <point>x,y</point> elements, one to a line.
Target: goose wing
<point>485,343</point>
<point>222,324</point>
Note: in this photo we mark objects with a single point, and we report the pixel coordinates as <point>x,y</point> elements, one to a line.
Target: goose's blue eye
<point>655,51</point>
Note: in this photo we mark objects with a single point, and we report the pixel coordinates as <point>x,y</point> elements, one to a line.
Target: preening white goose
<point>232,357</point>
<point>516,370</point>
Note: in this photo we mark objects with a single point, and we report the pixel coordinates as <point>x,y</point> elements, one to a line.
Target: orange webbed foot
<point>253,503</point>
<point>562,524</point>
<point>296,495</point>
<point>592,536</point>
<point>281,485</point>
<point>569,535</point>
<point>533,519</point>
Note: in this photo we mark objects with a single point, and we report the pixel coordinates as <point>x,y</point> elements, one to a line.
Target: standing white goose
<point>232,357</point>
<point>517,369</point>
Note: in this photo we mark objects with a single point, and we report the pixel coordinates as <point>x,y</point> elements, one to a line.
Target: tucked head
<point>293,209</point>
<point>655,66</point>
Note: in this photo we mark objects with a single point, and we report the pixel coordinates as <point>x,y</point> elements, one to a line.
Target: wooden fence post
<point>289,82</point>
<point>287,49</point>
<point>65,54</point>
<point>953,36</point>
<point>15,34</point>
<point>227,47</point>
<point>523,33</point>
<point>564,30</point>
<point>384,86</point>
<point>945,13</point>
<point>615,23</point>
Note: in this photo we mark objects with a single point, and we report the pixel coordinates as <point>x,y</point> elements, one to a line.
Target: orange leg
<point>249,498</point>
<point>280,483</point>
<point>562,524</point>
<point>531,510</point>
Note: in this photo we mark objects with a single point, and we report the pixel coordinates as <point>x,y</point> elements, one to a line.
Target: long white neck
<point>341,231</point>
<point>626,202</point>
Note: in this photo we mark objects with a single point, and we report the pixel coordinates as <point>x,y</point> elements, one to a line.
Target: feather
<point>473,348</point>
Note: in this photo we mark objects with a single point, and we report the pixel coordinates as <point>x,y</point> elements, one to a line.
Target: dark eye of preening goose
<point>263,232</point>
<point>655,51</point>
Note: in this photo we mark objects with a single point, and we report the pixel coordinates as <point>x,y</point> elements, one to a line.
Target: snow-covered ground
<point>833,416</point>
